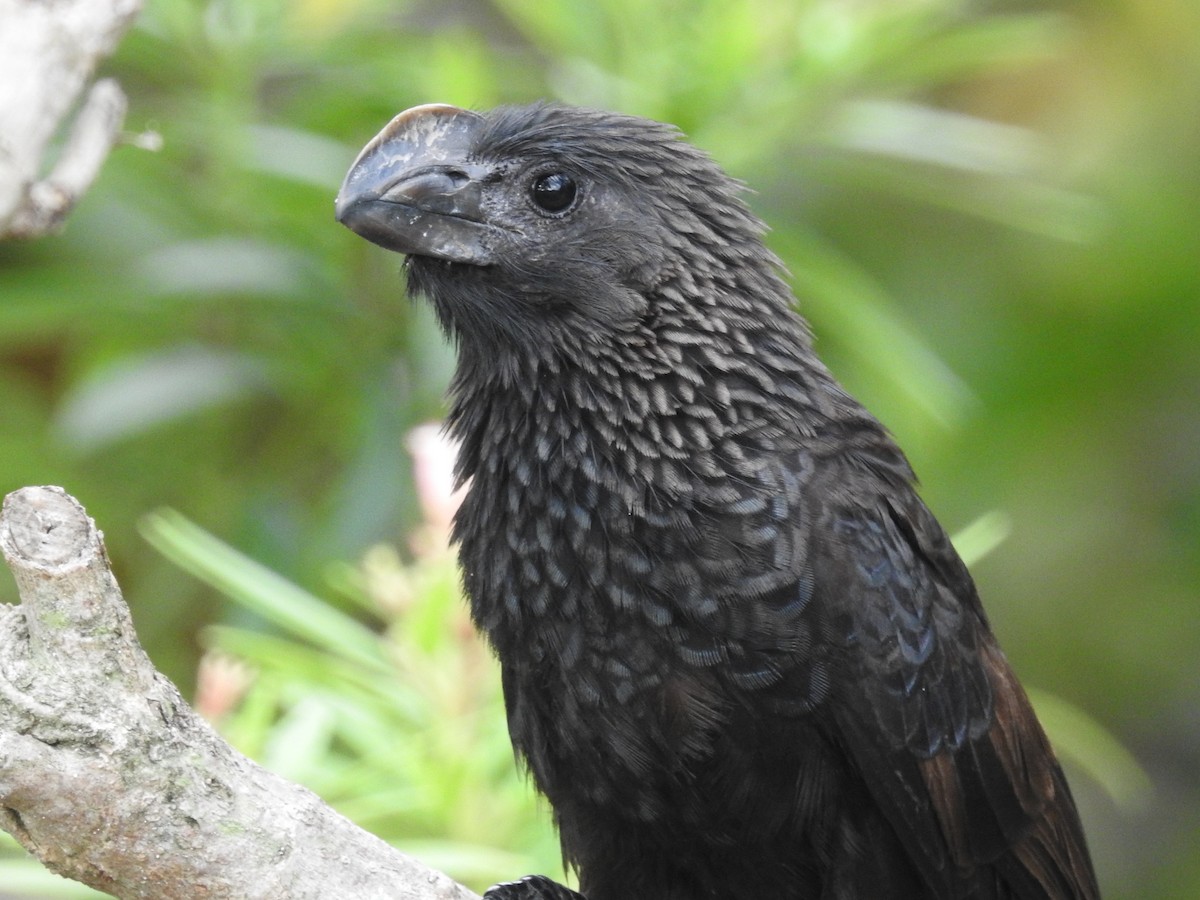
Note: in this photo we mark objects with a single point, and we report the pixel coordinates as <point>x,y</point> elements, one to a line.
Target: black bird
<point>740,656</point>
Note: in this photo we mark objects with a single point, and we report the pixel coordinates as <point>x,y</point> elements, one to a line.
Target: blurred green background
<point>990,214</point>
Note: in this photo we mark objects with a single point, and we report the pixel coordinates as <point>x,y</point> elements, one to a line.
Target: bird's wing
<point>931,713</point>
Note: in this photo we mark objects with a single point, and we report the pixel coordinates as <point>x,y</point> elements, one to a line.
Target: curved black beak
<point>412,189</point>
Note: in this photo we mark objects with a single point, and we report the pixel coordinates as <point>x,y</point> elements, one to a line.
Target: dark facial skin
<point>740,656</point>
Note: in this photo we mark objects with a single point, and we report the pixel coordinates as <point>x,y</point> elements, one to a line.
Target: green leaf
<point>262,591</point>
<point>1081,739</point>
<point>981,537</point>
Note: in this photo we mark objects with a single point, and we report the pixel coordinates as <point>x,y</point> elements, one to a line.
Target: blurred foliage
<point>396,727</point>
<point>989,213</point>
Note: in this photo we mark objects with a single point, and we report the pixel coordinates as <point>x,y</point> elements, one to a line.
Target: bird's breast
<point>628,591</point>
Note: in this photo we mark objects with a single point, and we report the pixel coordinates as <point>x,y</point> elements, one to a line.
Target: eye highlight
<point>553,192</point>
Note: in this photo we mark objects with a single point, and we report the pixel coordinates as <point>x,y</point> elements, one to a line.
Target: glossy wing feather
<point>933,716</point>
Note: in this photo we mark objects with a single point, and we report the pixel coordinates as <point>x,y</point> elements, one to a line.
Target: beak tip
<point>344,204</point>
<point>341,207</point>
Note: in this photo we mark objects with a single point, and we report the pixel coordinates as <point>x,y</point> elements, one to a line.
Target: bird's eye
<point>554,192</point>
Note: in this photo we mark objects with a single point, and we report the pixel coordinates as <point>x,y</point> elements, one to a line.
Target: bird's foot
<point>531,887</point>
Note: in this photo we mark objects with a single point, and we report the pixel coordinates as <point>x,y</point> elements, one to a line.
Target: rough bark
<point>109,778</point>
<point>49,50</point>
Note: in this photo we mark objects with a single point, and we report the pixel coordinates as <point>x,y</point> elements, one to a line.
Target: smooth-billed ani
<point>740,657</point>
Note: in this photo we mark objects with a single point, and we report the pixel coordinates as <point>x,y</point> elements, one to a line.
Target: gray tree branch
<point>48,54</point>
<point>109,778</point>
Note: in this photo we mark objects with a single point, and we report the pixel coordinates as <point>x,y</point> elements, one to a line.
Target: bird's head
<point>549,225</point>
